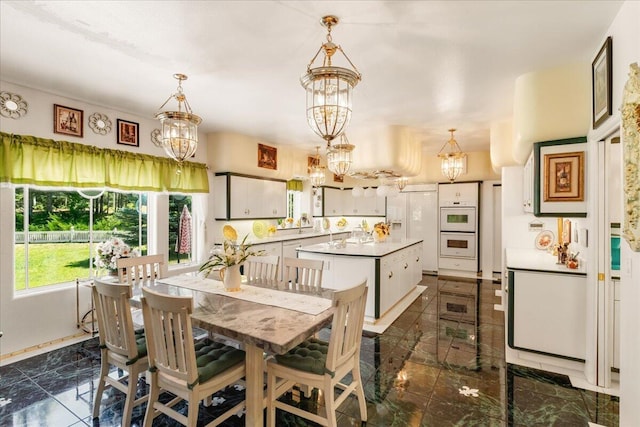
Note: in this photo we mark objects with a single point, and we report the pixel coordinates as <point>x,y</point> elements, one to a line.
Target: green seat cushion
<point>309,356</point>
<point>213,358</point>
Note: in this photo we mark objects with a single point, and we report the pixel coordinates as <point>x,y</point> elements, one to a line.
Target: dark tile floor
<point>440,364</point>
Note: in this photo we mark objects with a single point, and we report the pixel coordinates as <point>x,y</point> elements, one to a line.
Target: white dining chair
<point>303,274</point>
<point>120,345</point>
<point>192,371</point>
<point>261,267</point>
<point>138,270</point>
<point>323,365</point>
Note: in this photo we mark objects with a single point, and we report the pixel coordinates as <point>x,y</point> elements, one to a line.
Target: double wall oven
<point>459,227</point>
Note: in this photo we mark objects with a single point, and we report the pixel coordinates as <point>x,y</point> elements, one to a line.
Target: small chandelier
<point>340,156</point>
<point>329,89</point>
<point>402,182</point>
<point>179,133</point>
<point>316,173</point>
<point>453,161</point>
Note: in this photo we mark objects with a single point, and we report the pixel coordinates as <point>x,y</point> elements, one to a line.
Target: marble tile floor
<point>440,364</point>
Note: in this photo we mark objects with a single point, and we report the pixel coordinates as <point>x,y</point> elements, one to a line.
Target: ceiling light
<point>329,89</point>
<point>452,161</point>
<point>402,182</point>
<point>316,172</point>
<point>340,156</point>
<point>179,133</point>
<point>357,191</point>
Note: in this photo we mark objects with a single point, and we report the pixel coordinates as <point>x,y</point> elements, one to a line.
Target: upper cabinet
<point>527,185</point>
<point>248,197</point>
<point>339,202</point>
<point>458,194</point>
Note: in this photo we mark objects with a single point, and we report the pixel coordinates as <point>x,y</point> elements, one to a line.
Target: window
<point>57,230</point>
<point>180,229</point>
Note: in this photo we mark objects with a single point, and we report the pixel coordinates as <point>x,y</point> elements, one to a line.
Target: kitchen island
<point>392,270</point>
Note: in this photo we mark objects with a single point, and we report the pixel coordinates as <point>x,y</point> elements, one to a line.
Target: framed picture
<point>67,121</point>
<point>267,157</point>
<point>312,161</point>
<point>128,133</point>
<point>338,178</point>
<point>601,68</point>
<point>559,178</point>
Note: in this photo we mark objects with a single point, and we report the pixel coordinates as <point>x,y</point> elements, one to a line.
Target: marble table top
<point>273,329</point>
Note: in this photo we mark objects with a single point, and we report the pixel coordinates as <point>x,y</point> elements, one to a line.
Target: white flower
<point>108,252</point>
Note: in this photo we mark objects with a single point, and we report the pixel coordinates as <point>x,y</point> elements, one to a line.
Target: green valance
<point>294,185</point>
<point>45,162</point>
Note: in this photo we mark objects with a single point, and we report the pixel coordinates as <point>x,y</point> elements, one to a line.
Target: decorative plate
<point>259,229</point>
<point>229,233</point>
<point>544,239</point>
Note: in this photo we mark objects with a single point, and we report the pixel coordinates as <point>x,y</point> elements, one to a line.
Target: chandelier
<point>316,172</point>
<point>179,133</point>
<point>340,156</point>
<point>329,89</point>
<point>452,161</point>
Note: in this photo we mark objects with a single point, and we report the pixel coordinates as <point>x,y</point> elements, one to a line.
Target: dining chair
<point>192,371</point>
<point>323,365</point>
<point>261,267</point>
<point>303,274</point>
<point>120,345</point>
<point>137,270</point>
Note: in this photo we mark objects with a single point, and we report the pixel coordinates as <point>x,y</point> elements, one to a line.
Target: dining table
<point>264,317</point>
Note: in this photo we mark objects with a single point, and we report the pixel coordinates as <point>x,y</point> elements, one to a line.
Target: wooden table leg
<point>254,392</point>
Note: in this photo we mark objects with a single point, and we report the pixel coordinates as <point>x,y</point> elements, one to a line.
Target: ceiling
<point>428,65</point>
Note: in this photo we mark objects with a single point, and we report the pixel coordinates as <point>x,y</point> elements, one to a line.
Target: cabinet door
<point>275,199</point>
<point>333,203</point>
<point>220,196</point>
<point>239,195</point>
<point>462,194</point>
<point>423,224</point>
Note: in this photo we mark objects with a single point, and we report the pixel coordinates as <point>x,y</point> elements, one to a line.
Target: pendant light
<point>179,129</point>
<point>452,161</point>
<point>340,156</point>
<point>329,89</point>
<point>317,172</point>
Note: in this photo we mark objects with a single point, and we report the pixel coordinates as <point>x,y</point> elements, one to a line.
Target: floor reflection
<point>441,363</point>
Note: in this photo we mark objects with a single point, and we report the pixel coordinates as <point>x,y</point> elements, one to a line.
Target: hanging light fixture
<point>340,156</point>
<point>179,133</point>
<point>453,160</point>
<point>329,89</point>
<point>316,172</point>
<point>401,182</point>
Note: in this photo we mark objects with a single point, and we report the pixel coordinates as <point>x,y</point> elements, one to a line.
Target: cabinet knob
<point>418,259</point>
<point>406,265</point>
<point>390,274</point>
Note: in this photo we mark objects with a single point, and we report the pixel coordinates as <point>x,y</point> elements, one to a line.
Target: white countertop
<point>370,249</point>
<point>538,260</point>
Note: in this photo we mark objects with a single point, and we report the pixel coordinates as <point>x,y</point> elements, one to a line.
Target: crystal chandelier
<point>329,89</point>
<point>452,161</point>
<point>179,133</point>
<point>340,156</point>
<point>316,172</point>
<point>401,182</point>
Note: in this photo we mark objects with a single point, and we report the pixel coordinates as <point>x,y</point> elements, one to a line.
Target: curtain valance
<point>294,185</point>
<point>45,162</point>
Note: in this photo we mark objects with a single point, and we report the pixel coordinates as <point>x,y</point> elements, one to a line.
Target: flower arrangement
<point>382,229</point>
<point>108,252</point>
<point>271,230</point>
<point>229,254</point>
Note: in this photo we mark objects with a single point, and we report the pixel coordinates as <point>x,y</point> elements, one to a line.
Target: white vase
<point>231,277</point>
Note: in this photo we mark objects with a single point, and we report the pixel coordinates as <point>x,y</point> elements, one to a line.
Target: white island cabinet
<point>392,270</point>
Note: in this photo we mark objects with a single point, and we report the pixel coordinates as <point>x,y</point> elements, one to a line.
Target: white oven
<point>458,245</point>
<point>458,219</point>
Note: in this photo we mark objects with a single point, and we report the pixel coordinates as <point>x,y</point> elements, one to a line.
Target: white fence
<point>63,236</point>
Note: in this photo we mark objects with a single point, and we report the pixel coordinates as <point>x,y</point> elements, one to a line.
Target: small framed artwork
<point>267,157</point>
<point>311,162</point>
<point>128,133</point>
<point>601,69</point>
<point>559,182</point>
<point>67,121</point>
<point>338,178</point>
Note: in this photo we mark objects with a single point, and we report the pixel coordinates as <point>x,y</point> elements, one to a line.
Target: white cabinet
<point>422,224</point>
<point>616,324</point>
<point>527,185</point>
<point>243,197</point>
<point>333,203</point>
<point>339,202</point>
<point>458,194</point>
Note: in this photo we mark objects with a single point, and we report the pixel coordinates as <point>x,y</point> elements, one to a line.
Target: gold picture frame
<point>560,181</point>
<point>267,157</point>
<point>601,81</point>
<point>68,121</point>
